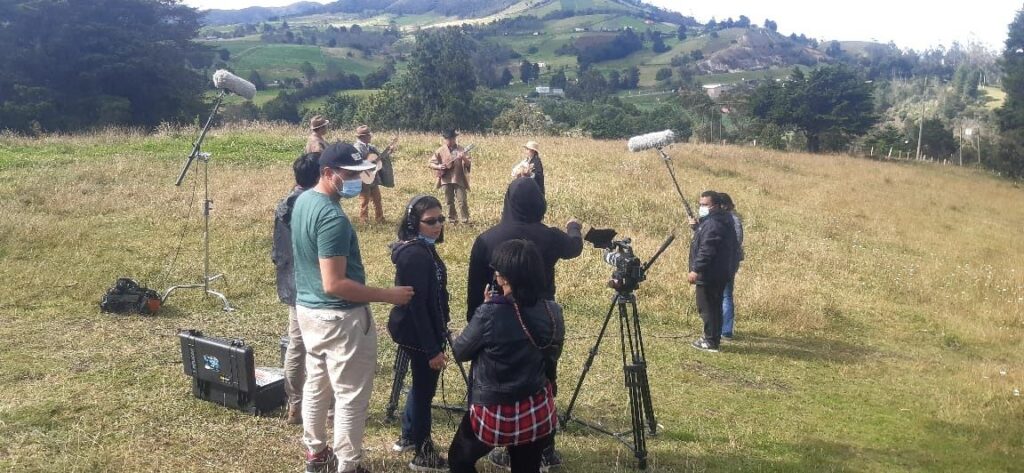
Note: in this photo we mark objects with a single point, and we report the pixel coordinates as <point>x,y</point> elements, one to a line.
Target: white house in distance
<point>545,91</point>
<point>716,90</point>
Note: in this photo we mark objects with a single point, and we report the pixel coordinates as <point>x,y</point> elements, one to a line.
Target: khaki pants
<point>370,192</point>
<point>294,360</point>
<point>453,192</point>
<point>341,356</point>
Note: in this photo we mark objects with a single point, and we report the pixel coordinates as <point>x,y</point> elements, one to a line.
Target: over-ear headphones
<point>410,223</point>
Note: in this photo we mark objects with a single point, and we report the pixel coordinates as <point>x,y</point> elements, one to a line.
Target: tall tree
<point>526,71</point>
<point>437,91</point>
<point>308,71</point>
<point>832,100</point>
<point>71,65</point>
<point>1010,158</point>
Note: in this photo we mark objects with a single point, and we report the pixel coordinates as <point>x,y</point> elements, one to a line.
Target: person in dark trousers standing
<point>521,219</point>
<point>514,341</point>
<point>728,306</point>
<point>531,165</point>
<point>420,327</point>
<point>307,172</point>
<point>712,266</point>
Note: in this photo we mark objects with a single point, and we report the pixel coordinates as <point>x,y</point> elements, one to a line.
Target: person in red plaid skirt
<point>514,341</point>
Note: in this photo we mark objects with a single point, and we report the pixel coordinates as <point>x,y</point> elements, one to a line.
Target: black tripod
<point>401,369</point>
<point>634,367</point>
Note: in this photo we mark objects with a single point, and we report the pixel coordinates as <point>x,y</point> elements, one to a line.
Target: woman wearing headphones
<point>419,328</point>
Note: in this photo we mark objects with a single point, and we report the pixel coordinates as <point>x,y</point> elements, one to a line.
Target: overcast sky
<point>916,24</point>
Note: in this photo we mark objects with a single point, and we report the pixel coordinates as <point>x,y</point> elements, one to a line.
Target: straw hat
<point>532,146</point>
<point>363,130</point>
<point>318,122</point>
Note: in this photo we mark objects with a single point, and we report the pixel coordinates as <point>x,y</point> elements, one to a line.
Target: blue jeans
<point>416,419</point>
<point>728,310</point>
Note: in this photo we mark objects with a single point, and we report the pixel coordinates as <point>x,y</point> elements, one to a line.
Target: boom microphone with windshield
<point>659,140</point>
<point>225,80</point>
<point>651,140</point>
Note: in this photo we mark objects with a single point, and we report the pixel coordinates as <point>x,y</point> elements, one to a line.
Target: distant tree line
<point>117,62</point>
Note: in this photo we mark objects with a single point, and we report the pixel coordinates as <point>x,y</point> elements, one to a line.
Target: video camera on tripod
<point>629,271</point>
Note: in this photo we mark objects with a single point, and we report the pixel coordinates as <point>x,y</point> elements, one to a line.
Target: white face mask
<point>704,211</point>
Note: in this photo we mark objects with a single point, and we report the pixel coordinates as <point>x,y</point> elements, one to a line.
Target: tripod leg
<point>636,410</point>
<point>640,359</point>
<point>590,361</point>
<point>401,368</point>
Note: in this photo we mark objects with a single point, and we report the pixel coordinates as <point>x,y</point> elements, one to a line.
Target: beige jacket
<point>315,143</point>
<point>451,167</point>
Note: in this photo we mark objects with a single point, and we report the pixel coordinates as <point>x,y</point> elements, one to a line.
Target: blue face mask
<point>427,239</point>
<point>350,189</point>
<point>703,211</point>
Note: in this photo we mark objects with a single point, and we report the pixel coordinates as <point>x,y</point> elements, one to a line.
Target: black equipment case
<point>223,372</point>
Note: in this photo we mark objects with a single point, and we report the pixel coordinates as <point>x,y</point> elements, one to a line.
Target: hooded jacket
<point>714,252</point>
<point>420,325</point>
<point>281,251</point>
<point>521,219</point>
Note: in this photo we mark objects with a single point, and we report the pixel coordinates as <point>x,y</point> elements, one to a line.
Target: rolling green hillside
<point>880,307</point>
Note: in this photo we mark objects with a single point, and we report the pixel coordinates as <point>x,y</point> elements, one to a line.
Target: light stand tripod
<point>401,369</point>
<point>634,367</point>
<point>207,206</point>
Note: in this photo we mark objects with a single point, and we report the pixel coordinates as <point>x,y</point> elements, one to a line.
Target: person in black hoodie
<point>420,327</point>
<point>514,342</point>
<point>521,219</point>
<point>713,255</point>
<point>307,172</point>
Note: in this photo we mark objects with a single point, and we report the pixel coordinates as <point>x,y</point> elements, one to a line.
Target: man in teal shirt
<point>334,315</point>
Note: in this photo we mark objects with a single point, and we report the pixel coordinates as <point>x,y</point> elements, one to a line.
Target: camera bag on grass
<point>127,297</point>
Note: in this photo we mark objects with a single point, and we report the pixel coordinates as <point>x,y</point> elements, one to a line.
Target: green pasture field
<point>879,320</point>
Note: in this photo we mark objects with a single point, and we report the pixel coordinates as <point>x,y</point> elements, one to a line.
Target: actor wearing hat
<point>452,164</point>
<point>371,178</point>
<point>317,127</point>
<point>530,166</point>
<point>334,315</point>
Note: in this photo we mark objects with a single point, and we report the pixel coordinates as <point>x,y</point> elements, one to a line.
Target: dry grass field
<point>880,309</point>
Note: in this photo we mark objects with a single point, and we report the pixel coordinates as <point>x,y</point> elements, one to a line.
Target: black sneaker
<point>427,459</point>
<point>499,458</point>
<point>550,459</point>
<point>403,445</point>
<point>704,345</point>
<point>322,462</point>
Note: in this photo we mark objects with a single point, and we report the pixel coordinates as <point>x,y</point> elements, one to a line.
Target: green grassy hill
<point>880,308</point>
<point>276,61</point>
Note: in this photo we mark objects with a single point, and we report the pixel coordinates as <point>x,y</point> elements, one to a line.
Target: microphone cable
<point>172,257</point>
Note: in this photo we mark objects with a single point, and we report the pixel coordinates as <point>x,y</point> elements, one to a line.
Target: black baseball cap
<point>449,134</point>
<point>344,156</point>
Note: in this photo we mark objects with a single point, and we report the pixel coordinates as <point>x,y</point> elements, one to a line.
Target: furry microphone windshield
<point>225,80</point>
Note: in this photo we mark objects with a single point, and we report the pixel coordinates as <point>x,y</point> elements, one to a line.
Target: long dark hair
<point>521,264</point>
<point>409,225</point>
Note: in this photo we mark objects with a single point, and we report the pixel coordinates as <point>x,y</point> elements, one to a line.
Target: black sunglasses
<point>433,221</point>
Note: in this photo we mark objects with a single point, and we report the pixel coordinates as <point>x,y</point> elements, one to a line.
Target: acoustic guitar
<point>370,175</point>
<point>465,151</point>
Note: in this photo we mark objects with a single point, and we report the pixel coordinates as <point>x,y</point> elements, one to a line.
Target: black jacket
<point>281,250</point>
<point>714,249</point>
<point>422,323</point>
<point>506,366</point>
<point>521,219</point>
